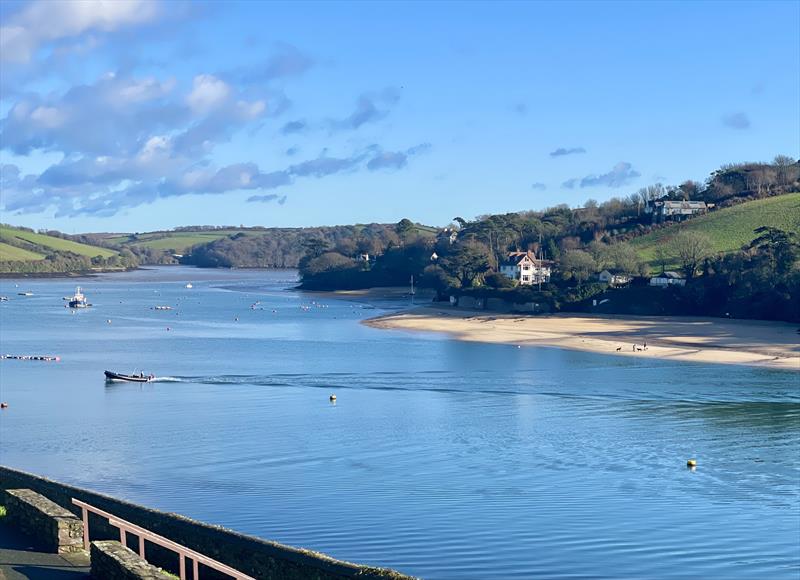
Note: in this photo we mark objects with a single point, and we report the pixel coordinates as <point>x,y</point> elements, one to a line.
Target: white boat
<point>78,300</point>
<point>189,285</point>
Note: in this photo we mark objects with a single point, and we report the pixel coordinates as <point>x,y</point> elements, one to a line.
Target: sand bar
<point>709,340</point>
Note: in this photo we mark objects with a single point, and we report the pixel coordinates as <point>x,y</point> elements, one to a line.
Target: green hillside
<point>15,237</point>
<point>178,242</point>
<point>12,253</point>
<point>729,228</point>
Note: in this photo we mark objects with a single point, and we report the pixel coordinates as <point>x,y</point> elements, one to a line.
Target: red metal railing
<point>183,552</point>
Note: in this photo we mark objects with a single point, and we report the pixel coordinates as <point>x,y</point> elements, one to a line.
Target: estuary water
<point>440,458</point>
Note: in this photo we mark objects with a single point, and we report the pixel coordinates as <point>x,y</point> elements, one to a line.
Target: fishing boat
<point>25,293</point>
<point>140,378</point>
<point>78,300</point>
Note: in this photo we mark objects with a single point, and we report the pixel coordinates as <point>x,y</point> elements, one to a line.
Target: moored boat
<point>140,378</point>
<point>78,300</point>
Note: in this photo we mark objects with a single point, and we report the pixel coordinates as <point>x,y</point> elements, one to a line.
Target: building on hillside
<point>434,257</point>
<point>526,268</point>
<point>614,279</point>
<point>676,210</point>
<point>449,234</point>
<point>667,279</point>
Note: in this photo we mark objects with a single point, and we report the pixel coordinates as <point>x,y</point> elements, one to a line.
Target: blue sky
<point>140,115</point>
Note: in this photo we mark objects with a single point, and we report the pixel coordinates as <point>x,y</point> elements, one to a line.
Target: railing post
<point>182,567</point>
<point>141,546</point>
<point>85,517</point>
<point>122,537</point>
<point>195,570</point>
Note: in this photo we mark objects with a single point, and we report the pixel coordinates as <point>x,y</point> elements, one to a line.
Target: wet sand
<point>708,340</point>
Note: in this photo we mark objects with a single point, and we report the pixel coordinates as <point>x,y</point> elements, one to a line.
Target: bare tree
<point>690,249</point>
<point>653,192</point>
<point>662,256</point>
<point>783,166</point>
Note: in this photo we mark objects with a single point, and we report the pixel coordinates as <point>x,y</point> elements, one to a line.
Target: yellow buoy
<point>691,463</point>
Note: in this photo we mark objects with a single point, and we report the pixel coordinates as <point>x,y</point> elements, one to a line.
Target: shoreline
<point>76,274</point>
<point>766,344</point>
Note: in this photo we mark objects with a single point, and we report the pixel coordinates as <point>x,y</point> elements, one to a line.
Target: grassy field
<point>9,253</point>
<point>178,242</point>
<point>729,228</point>
<point>10,234</point>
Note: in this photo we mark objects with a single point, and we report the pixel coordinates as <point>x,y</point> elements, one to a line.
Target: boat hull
<point>112,376</point>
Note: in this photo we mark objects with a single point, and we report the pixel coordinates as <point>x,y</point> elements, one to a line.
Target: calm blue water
<point>440,458</point>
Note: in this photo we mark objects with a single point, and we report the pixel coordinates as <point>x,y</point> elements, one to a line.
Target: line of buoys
<point>30,357</point>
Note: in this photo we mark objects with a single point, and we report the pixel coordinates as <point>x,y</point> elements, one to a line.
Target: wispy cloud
<point>43,21</point>
<point>561,151</point>
<point>294,127</point>
<point>370,107</point>
<point>539,186</point>
<point>395,159</point>
<point>288,61</point>
<point>738,121</point>
<point>621,174</point>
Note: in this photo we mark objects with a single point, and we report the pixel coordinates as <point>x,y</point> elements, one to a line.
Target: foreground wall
<point>251,555</point>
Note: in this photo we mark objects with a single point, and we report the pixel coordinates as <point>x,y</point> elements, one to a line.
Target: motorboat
<point>140,378</point>
<point>78,300</point>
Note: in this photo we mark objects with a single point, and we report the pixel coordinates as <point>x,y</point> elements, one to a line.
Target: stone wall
<point>253,556</point>
<point>49,525</point>
<point>113,561</point>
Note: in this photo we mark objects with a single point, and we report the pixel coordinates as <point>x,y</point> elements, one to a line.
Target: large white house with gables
<point>526,268</point>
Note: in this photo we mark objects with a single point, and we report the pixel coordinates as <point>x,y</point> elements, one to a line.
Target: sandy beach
<point>709,340</point>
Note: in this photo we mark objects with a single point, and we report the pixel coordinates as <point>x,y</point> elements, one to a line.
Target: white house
<point>677,210</point>
<point>614,279</point>
<point>526,268</point>
<point>667,279</point>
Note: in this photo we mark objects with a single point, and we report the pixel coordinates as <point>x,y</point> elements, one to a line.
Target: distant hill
<point>179,242</point>
<point>26,252</point>
<point>729,228</point>
<point>33,242</point>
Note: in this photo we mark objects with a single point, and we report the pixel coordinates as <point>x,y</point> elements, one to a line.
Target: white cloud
<point>208,92</point>
<point>47,117</point>
<point>47,21</point>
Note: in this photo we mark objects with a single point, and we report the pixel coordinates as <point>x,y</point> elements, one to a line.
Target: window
<point>526,278</point>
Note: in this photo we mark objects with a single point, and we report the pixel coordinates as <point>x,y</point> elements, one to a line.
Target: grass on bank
<point>8,234</point>
<point>179,242</point>
<point>12,253</point>
<point>729,228</point>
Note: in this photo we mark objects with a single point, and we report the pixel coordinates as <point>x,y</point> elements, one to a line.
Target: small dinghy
<point>140,378</point>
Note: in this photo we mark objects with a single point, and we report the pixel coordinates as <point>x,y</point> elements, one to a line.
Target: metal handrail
<point>143,534</point>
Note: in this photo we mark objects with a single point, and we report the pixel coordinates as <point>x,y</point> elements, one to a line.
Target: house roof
<point>682,204</point>
<point>672,275</point>
<point>514,258</point>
